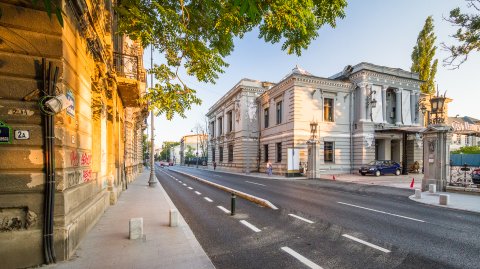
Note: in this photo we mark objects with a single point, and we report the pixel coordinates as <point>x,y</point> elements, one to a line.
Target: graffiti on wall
<point>78,177</point>
<point>77,159</point>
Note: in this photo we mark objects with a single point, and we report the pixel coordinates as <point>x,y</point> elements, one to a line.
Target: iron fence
<point>461,169</point>
<point>126,65</point>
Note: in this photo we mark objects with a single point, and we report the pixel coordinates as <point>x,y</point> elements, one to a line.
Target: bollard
<point>444,199</point>
<point>173,218</point>
<point>418,194</point>
<point>232,208</point>
<point>136,228</point>
<point>432,188</point>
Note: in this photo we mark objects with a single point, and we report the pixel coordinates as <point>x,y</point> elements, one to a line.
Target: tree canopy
<point>468,34</point>
<point>197,35</point>
<point>422,57</point>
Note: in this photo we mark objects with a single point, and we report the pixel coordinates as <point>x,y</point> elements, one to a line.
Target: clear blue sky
<point>376,31</point>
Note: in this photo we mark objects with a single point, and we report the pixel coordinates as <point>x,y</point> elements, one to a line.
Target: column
<point>369,106</point>
<point>362,101</point>
<point>384,103</point>
<point>398,106</point>
<point>413,107</point>
<point>417,109</point>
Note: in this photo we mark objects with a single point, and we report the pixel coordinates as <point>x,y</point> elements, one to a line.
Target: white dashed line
<point>300,218</point>
<point>190,188</point>
<point>366,243</point>
<point>383,212</point>
<point>208,199</point>
<point>224,209</point>
<point>301,258</point>
<point>256,183</point>
<point>246,223</point>
<point>179,181</point>
<point>184,184</point>
<point>198,193</point>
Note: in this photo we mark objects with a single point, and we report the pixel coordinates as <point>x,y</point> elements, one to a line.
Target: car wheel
<point>377,173</point>
<point>363,174</point>
<point>397,172</point>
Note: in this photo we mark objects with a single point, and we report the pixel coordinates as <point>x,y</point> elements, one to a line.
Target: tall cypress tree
<point>422,57</point>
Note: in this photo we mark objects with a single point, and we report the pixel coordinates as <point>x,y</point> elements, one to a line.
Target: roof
<point>398,72</point>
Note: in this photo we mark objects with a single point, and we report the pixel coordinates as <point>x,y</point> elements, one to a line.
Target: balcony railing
<point>126,66</point>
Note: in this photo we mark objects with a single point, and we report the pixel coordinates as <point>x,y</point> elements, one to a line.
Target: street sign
<point>22,134</point>
<point>5,133</point>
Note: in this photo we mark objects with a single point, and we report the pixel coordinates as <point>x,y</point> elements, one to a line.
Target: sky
<point>376,31</point>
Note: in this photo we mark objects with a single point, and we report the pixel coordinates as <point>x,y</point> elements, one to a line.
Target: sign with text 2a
<point>71,105</point>
<point>5,133</point>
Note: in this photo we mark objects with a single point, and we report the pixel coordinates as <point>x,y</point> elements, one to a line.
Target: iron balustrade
<point>126,65</point>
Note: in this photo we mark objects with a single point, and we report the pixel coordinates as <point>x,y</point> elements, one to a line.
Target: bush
<point>468,150</point>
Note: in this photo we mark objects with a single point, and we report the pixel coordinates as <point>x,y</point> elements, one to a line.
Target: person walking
<point>269,168</point>
<point>214,165</point>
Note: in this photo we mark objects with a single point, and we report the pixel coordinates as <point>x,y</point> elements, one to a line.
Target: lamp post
<point>152,182</point>
<point>196,153</point>
<point>438,106</point>
<point>312,162</point>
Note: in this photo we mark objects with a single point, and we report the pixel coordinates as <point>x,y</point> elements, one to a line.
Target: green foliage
<point>468,150</point>
<point>468,34</point>
<point>422,57</point>
<point>197,35</point>
<point>49,4</point>
<point>166,148</point>
<point>189,152</point>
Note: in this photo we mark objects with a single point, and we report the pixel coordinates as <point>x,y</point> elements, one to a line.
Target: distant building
<point>365,112</point>
<point>191,144</point>
<point>175,154</point>
<point>466,132</point>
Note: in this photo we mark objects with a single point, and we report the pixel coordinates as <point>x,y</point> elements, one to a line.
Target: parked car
<point>476,176</point>
<point>378,168</point>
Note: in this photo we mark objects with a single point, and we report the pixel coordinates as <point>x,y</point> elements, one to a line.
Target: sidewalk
<point>466,202</point>
<point>107,245</point>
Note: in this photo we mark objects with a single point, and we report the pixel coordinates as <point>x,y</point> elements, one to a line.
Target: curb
<point>245,196</point>
<point>412,197</point>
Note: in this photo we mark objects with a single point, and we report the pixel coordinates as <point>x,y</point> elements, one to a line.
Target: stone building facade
<point>97,138</point>
<point>363,113</point>
<point>466,132</point>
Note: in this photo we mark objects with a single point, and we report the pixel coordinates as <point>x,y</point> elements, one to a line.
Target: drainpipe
<point>350,121</point>
<point>259,125</point>
<point>49,84</point>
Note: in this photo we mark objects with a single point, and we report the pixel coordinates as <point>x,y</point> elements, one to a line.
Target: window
<point>328,152</point>
<point>220,152</point>
<point>279,112</point>
<point>229,121</point>
<point>328,109</point>
<point>459,139</point>
<point>212,124</point>
<point>230,153</point>
<point>265,150</point>
<point>279,152</point>
<point>213,154</point>
<point>220,126</point>
<point>265,117</point>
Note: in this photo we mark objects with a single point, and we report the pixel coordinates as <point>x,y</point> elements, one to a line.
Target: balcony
<point>130,78</point>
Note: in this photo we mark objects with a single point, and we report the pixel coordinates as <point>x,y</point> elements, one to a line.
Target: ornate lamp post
<point>312,152</point>
<point>438,106</point>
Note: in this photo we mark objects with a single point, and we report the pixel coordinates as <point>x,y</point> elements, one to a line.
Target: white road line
<point>383,212</point>
<point>256,183</point>
<point>366,243</point>
<point>179,181</point>
<point>198,193</point>
<point>184,184</point>
<point>190,188</point>
<point>208,199</point>
<point>301,258</point>
<point>300,218</point>
<point>224,209</point>
<point>246,223</point>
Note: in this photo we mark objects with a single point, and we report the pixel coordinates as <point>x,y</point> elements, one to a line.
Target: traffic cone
<point>333,177</point>
<point>411,184</point>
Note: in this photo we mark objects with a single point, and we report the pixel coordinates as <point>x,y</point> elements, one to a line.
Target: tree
<point>166,148</point>
<point>468,34</point>
<point>422,57</point>
<point>197,35</point>
<point>201,132</point>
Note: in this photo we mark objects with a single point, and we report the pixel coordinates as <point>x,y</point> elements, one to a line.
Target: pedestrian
<point>269,168</point>
<point>214,165</point>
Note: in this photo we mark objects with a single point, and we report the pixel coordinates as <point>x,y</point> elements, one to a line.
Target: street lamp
<point>196,153</point>
<point>438,107</point>
<point>313,130</point>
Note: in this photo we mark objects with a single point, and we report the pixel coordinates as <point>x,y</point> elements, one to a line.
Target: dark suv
<point>378,168</point>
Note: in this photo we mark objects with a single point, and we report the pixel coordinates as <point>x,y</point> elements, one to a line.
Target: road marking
<point>198,193</point>
<point>184,184</point>
<point>190,188</point>
<point>224,209</point>
<point>300,218</point>
<point>179,181</point>
<point>366,243</point>
<point>301,258</point>
<point>383,212</point>
<point>246,223</point>
<point>256,183</point>
<point>208,199</point>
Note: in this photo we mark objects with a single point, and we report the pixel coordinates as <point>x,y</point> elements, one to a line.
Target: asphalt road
<point>320,224</point>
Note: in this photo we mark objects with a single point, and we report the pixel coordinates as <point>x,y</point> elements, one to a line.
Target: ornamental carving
<point>368,138</point>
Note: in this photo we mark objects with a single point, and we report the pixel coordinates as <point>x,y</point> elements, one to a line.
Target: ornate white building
<point>363,113</point>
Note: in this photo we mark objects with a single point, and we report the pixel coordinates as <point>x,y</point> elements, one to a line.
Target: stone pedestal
<point>313,159</point>
<point>436,156</point>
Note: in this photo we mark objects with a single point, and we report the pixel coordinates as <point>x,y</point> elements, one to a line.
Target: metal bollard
<point>232,208</point>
